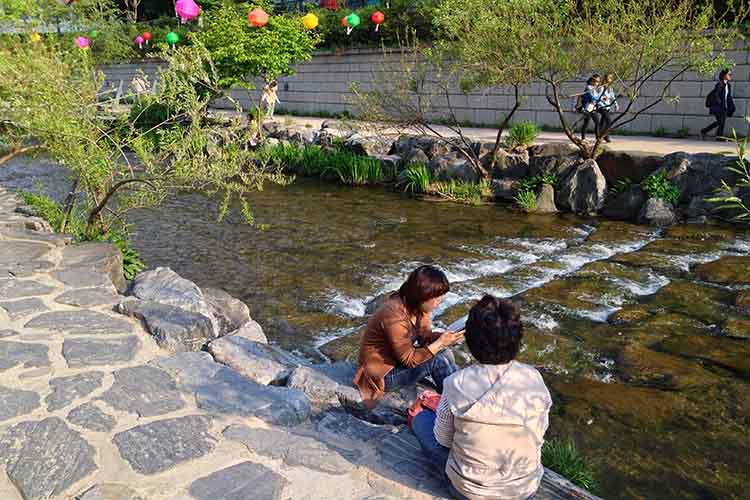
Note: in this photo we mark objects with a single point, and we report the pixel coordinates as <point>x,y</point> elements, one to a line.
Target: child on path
<point>270,98</point>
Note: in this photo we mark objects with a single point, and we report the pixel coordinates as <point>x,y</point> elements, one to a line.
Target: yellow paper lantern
<point>36,37</point>
<point>310,21</point>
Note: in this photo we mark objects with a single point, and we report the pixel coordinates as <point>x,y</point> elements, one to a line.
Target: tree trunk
<point>70,202</point>
<point>505,123</point>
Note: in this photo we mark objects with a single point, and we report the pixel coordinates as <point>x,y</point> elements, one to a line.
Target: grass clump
<point>415,178</point>
<point>522,135</point>
<point>75,225</point>
<point>562,457</point>
<point>525,197</point>
<point>659,187</point>
<point>462,191</point>
<point>314,161</point>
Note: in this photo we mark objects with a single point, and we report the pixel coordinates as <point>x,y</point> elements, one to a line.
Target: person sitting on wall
<point>487,434</point>
<point>720,104</point>
<point>399,348</point>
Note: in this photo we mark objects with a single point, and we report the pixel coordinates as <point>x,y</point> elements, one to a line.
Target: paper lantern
<point>351,21</point>
<point>139,41</point>
<point>93,34</point>
<point>82,42</point>
<point>172,38</point>
<point>257,18</point>
<point>36,37</point>
<point>186,10</point>
<point>310,21</point>
<point>377,17</point>
<point>146,36</point>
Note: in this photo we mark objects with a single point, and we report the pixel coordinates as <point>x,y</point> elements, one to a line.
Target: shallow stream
<point>646,356</point>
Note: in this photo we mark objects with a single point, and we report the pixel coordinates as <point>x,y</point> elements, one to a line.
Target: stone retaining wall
<point>322,85</point>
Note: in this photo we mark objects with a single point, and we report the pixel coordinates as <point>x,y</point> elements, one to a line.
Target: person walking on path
<point>270,98</point>
<point>607,104</point>
<point>590,103</point>
<point>720,104</point>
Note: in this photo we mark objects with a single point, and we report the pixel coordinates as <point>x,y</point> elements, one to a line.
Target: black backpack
<point>711,98</point>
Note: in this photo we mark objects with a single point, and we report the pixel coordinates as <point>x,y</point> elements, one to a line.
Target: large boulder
<point>698,174</point>
<point>657,213</point>
<point>432,147</point>
<point>553,149</point>
<point>510,165</point>
<point>504,189</point>
<point>626,205</point>
<point>560,166</point>
<point>165,286</point>
<point>251,330</point>
<point>230,313</point>
<point>452,167</point>
<point>328,137</point>
<point>368,145</point>
<point>633,165</point>
<point>416,155</point>
<point>261,363</point>
<point>391,165</point>
<point>321,383</point>
<point>583,190</point>
<point>545,200</point>
<point>174,329</point>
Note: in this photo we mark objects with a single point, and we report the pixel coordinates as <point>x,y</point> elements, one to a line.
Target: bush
<point>621,185</point>
<point>54,213</point>
<point>146,113</point>
<point>659,187</point>
<point>522,135</point>
<point>415,178</point>
<point>525,196</point>
<point>563,458</point>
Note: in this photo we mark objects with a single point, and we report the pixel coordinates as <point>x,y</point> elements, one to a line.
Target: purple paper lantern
<point>139,41</point>
<point>82,42</point>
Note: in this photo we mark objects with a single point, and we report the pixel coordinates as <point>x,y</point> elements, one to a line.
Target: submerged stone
<point>729,270</point>
<point>639,365</point>
<point>702,302</point>
<point>728,353</point>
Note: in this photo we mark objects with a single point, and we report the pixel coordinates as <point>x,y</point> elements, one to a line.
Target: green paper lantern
<point>172,38</point>
<point>353,20</point>
<point>93,34</point>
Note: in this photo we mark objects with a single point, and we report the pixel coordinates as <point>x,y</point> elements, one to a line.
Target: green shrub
<point>660,132</point>
<point>659,187</point>
<point>314,161</point>
<point>522,135</point>
<point>353,169</point>
<point>621,185</point>
<point>467,192</point>
<point>415,178</point>
<point>525,199</point>
<point>563,458</point>
<point>736,198</point>
<point>147,114</point>
<point>532,183</point>
<point>54,213</point>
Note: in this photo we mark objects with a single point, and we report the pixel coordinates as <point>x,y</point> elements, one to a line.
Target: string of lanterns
<point>187,10</point>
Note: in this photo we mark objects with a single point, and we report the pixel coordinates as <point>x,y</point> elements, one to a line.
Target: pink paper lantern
<point>82,42</point>
<point>186,10</point>
<point>139,41</point>
<point>257,18</point>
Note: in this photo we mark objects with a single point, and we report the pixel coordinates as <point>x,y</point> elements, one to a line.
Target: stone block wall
<point>323,85</point>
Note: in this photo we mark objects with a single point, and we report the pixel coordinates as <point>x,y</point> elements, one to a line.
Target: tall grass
<point>314,161</point>
<point>467,192</point>
<point>522,135</point>
<point>415,178</point>
<point>562,457</point>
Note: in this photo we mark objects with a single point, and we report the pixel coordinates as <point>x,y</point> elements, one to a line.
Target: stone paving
<point>92,408</point>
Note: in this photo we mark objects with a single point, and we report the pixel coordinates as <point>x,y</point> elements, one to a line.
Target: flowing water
<point>646,356</point>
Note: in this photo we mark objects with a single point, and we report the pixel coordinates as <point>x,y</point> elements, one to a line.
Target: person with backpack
<point>589,104</point>
<point>720,104</point>
<point>607,105</point>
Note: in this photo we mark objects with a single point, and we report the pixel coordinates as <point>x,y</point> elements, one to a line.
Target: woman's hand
<point>447,339</point>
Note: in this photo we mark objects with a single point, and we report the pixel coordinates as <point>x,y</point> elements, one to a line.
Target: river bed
<point>645,354</point>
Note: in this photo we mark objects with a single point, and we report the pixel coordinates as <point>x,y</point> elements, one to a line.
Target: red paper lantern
<point>377,17</point>
<point>146,36</point>
<point>344,22</point>
<point>257,18</point>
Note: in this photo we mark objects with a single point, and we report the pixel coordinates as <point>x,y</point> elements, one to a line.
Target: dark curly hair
<point>494,331</point>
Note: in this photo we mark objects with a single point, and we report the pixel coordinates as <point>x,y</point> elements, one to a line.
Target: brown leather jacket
<point>387,342</point>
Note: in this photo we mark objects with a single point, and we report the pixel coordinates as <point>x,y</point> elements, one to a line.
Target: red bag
<point>427,400</point>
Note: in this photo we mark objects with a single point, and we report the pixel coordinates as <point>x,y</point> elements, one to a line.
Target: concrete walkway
<point>653,145</point>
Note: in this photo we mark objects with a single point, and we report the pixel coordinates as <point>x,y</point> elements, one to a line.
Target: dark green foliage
<point>736,198</point>
<point>147,113</point>
<point>621,185</point>
<point>462,191</point>
<point>659,187</point>
<point>314,161</point>
<point>415,178</point>
<point>525,199</point>
<point>526,193</point>
<point>563,458</point>
<point>75,225</point>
